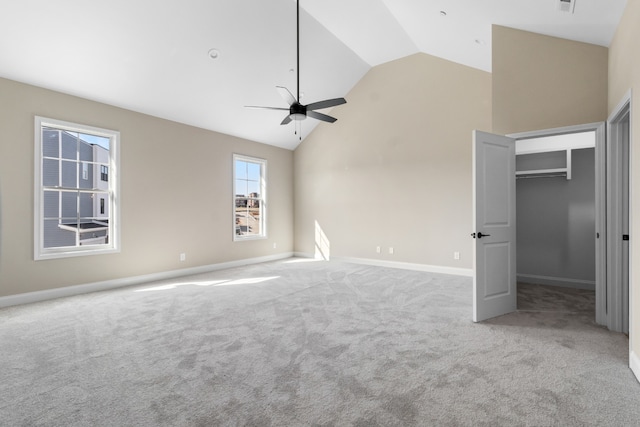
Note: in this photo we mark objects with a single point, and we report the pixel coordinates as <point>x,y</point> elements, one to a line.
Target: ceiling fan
<point>297,111</point>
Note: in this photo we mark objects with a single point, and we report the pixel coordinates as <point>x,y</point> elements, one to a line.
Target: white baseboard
<point>468,272</point>
<point>557,281</point>
<point>634,364</point>
<point>303,255</point>
<point>30,297</point>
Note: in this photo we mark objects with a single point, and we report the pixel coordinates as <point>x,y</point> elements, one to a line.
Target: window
<point>249,197</point>
<point>104,173</point>
<point>76,210</point>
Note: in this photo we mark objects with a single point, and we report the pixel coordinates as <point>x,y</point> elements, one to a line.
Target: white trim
<point>39,251</point>
<point>601,224</point>
<point>556,131</point>
<point>631,229</point>
<point>618,110</point>
<point>544,144</point>
<point>634,364</point>
<point>467,272</point>
<point>263,198</point>
<point>31,297</point>
<point>615,157</point>
<point>557,281</point>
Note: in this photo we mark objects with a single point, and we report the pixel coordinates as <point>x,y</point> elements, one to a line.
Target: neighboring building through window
<point>76,210</point>
<point>249,183</point>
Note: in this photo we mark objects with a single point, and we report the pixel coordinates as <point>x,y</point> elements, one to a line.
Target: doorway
<point>611,217</point>
<point>555,210</point>
<point>599,143</point>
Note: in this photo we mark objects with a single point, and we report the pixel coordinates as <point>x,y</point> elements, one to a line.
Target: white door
<point>494,202</point>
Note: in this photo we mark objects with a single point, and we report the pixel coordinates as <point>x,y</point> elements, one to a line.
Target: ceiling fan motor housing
<point>298,111</point>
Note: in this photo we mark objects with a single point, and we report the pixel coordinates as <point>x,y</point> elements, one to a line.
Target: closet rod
<point>555,175</point>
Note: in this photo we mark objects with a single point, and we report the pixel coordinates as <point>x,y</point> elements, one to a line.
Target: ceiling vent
<point>566,5</point>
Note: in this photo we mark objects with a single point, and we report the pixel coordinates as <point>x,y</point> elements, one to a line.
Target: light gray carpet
<point>310,344</point>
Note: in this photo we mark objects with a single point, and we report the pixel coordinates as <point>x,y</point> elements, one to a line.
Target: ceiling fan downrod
<point>297,111</point>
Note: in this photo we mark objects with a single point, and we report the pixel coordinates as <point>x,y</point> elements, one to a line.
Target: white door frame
<point>619,213</point>
<point>600,196</point>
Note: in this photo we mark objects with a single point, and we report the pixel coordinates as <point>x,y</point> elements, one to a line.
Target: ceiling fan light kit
<point>298,111</point>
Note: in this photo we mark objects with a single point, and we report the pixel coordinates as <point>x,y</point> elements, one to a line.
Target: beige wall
<point>395,169</point>
<point>624,74</point>
<point>176,194</point>
<point>542,82</point>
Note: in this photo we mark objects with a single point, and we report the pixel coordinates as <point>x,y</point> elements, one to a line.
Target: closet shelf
<point>544,173</point>
<point>548,173</point>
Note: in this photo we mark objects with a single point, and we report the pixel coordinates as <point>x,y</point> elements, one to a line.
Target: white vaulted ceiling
<point>152,56</point>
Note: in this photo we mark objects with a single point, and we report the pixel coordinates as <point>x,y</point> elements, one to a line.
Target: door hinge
<point>625,237</point>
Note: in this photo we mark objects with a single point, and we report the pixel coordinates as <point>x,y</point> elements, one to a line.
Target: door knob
<point>479,235</point>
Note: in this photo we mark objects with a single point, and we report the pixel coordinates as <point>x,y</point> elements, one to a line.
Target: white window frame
<point>113,245</point>
<point>262,199</point>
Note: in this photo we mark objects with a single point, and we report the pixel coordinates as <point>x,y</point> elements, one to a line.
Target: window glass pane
<point>69,146</point>
<point>56,236</point>
<point>69,201</point>
<point>93,234</point>
<point>69,174</point>
<point>253,219</point>
<point>253,171</point>
<point>241,169</point>
<point>50,171</point>
<point>240,224</point>
<point>86,151</point>
<point>87,176</point>
<point>100,141</point>
<point>51,200</point>
<point>241,188</point>
<point>50,143</point>
<point>86,205</point>
<point>253,189</point>
<point>246,221</point>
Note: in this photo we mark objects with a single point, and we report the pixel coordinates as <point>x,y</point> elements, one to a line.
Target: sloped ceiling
<point>152,56</point>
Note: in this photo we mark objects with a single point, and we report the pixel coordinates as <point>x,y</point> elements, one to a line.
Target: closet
<point>555,210</point>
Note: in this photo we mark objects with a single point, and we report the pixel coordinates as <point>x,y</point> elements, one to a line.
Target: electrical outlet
<point>456,255</point>
<point>391,251</point>
<point>275,245</point>
<point>183,257</point>
<point>377,249</point>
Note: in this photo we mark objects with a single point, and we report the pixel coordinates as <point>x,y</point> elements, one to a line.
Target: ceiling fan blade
<point>320,116</point>
<point>265,108</point>
<point>326,104</point>
<point>286,120</point>
<point>286,95</point>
